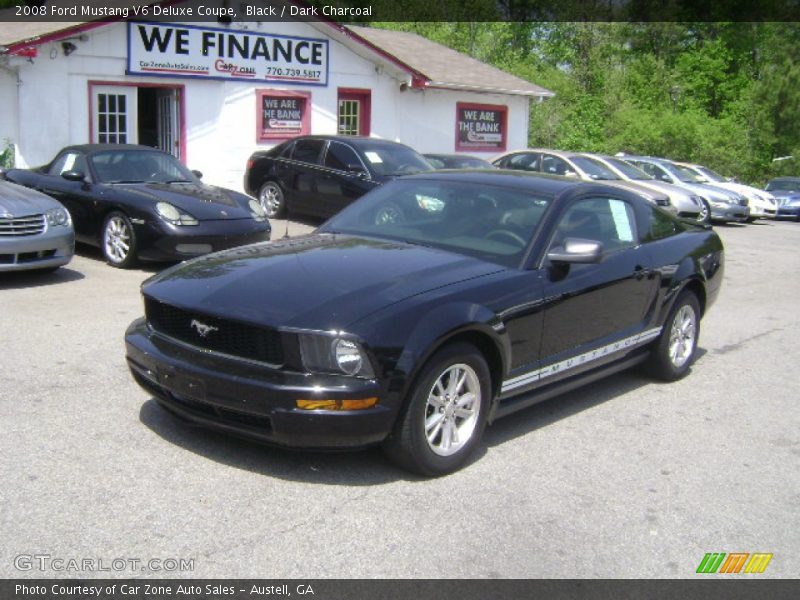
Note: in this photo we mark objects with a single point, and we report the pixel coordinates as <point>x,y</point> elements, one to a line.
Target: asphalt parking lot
<point>627,478</point>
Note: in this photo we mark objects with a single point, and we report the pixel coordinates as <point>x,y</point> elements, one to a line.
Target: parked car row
<point>137,203</point>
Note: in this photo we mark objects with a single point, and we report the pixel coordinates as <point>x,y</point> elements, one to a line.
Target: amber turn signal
<point>337,404</point>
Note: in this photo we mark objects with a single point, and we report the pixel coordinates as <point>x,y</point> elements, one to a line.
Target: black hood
<point>204,202</point>
<point>320,281</point>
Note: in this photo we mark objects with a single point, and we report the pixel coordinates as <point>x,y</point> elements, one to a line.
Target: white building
<point>212,92</point>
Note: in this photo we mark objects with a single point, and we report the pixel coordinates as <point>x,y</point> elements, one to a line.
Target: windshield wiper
<point>179,181</point>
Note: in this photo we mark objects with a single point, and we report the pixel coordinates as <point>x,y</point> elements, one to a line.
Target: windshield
<point>594,168</point>
<point>686,175</point>
<point>485,221</point>
<point>712,175</point>
<point>628,169</point>
<point>783,185</point>
<point>393,159</point>
<point>138,166</point>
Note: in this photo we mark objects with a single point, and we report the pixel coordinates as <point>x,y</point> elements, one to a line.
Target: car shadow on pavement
<point>560,407</point>
<point>37,278</point>
<point>370,466</point>
<point>94,253</point>
<point>367,467</point>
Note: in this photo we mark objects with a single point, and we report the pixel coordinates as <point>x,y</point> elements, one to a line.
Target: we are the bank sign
<point>168,50</point>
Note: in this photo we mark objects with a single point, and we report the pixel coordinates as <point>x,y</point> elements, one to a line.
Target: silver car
<point>35,230</point>
<point>725,204</point>
<point>683,203</point>
<point>577,165</point>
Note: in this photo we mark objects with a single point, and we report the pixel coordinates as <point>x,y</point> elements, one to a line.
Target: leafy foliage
<point>722,94</point>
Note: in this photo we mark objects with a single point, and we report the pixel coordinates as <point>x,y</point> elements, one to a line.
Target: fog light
<point>361,404</point>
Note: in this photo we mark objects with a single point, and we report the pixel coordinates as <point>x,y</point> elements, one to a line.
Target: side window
<point>660,225</point>
<point>605,220</point>
<point>554,165</point>
<point>523,162</point>
<point>69,161</point>
<point>286,152</point>
<point>340,156</point>
<point>308,151</point>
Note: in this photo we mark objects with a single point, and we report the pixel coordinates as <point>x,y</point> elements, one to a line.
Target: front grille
<point>12,227</point>
<point>234,338</point>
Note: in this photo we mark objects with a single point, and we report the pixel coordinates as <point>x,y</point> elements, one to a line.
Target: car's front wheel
<point>272,200</point>
<point>704,216</point>
<point>445,414</point>
<point>674,352</point>
<point>119,241</point>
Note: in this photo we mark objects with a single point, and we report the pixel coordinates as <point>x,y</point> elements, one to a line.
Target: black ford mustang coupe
<point>425,310</point>
<point>138,202</point>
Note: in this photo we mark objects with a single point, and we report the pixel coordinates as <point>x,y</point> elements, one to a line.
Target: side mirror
<point>571,174</point>
<point>577,250</point>
<point>665,178</point>
<point>74,175</point>
<point>198,174</point>
<point>356,169</point>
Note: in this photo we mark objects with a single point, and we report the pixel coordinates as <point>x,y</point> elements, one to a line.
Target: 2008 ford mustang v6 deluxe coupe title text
<point>425,310</point>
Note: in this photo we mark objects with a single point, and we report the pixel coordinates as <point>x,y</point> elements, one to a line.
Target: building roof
<point>429,65</point>
<point>446,68</point>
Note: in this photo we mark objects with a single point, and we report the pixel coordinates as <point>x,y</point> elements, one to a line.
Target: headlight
<point>57,216</point>
<point>329,354</point>
<point>258,212</point>
<point>172,215</point>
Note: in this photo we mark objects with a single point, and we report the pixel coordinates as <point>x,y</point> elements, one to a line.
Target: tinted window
<point>660,225</point>
<point>783,185</point>
<point>393,159</point>
<point>435,162</point>
<point>339,156</point>
<point>134,166</point>
<point>308,151</point>
<point>492,223</point>
<point>522,162</point>
<point>555,166</point>
<point>69,161</point>
<point>628,169</point>
<point>594,168</point>
<point>605,220</point>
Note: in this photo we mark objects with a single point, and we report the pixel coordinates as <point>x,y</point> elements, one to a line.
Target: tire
<point>272,200</point>
<point>437,432</point>
<point>118,241</point>
<point>705,213</point>
<point>674,352</point>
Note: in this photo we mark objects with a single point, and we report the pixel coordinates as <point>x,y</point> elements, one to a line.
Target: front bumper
<point>53,248</point>
<point>161,241</point>
<point>253,401</point>
<point>730,212</point>
<point>788,212</point>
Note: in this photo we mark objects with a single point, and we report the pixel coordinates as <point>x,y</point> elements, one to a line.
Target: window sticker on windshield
<point>69,162</point>
<point>373,157</point>
<point>621,221</point>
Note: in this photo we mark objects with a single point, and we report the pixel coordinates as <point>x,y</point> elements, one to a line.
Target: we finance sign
<point>168,50</point>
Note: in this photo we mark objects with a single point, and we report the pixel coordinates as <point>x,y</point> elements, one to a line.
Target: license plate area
<point>182,384</point>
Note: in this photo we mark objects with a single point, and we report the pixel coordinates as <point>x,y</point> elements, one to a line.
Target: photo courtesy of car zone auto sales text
<point>373,299</point>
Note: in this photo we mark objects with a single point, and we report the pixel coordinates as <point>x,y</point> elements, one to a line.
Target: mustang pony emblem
<point>202,328</point>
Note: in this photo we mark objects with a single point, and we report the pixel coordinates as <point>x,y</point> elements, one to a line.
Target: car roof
<point>90,148</point>
<point>541,183</point>
<point>347,139</point>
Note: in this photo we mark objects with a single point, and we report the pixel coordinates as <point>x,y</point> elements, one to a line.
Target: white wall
<point>8,107</point>
<point>220,115</point>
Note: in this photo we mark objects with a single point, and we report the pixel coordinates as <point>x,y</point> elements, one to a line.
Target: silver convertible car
<point>35,230</point>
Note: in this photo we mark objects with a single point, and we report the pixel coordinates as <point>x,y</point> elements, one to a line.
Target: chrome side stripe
<point>576,361</point>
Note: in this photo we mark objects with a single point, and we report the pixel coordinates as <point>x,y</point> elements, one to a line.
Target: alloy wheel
<point>117,239</point>
<point>682,336</point>
<point>452,409</point>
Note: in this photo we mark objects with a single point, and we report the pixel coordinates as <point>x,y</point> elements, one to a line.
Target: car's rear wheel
<point>272,200</point>
<point>119,241</point>
<point>674,352</point>
<point>445,414</point>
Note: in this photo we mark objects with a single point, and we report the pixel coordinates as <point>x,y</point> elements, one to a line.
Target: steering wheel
<point>505,235</point>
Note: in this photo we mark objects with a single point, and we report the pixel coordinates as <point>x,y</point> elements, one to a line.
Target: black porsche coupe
<point>425,310</point>
<point>138,202</point>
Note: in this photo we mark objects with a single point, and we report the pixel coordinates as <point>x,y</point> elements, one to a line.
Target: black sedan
<point>320,175</point>
<point>486,293</point>
<point>137,202</point>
